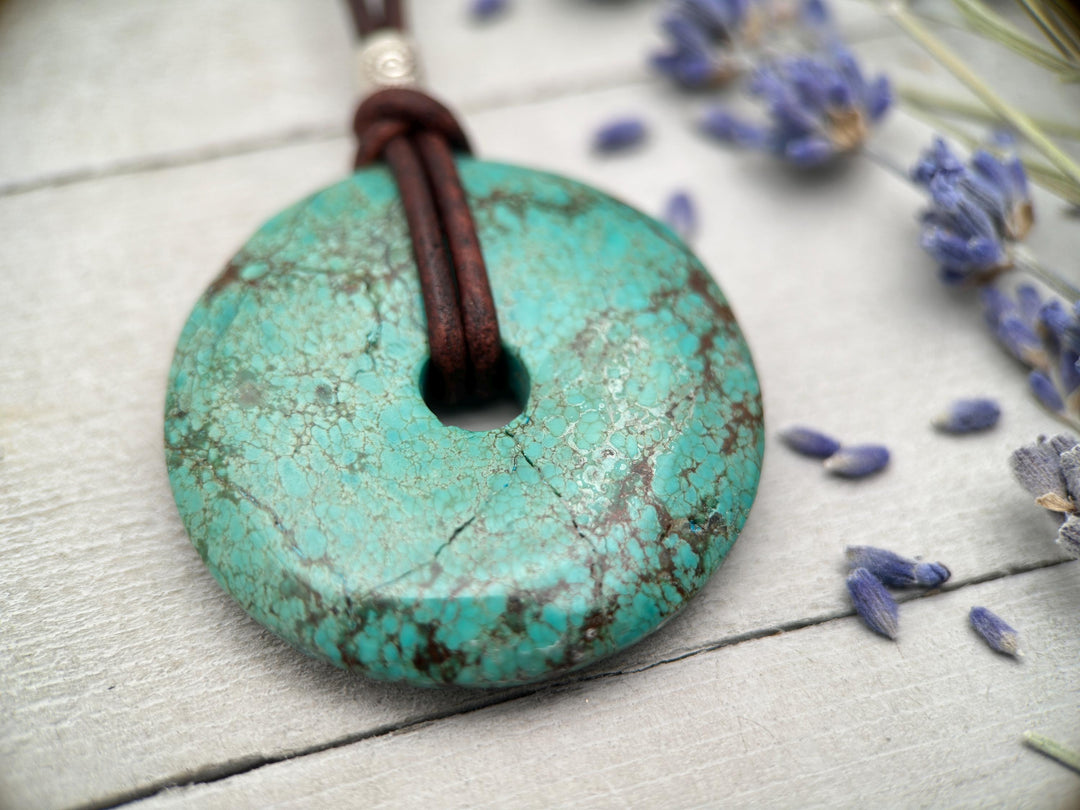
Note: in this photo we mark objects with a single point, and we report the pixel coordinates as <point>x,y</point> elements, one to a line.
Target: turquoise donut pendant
<point>338,510</point>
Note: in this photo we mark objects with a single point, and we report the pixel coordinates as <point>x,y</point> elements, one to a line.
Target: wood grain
<point>99,86</point>
<point>124,668</point>
<point>829,716</point>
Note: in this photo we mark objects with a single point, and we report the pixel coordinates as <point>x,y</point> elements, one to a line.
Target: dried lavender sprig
<point>619,134</point>
<point>968,416</point>
<point>857,461</point>
<point>701,35</point>
<point>1018,120</point>
<point>999,635</point>
<point>892,569</point>
<point>820,106</point>
<point>809,442</point>
<point>1053,749</point>
<point>873,603</point>
<point>1044,334</point>
<point>977,209</point>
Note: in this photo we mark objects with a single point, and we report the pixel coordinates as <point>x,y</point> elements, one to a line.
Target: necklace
<point>326,496</point>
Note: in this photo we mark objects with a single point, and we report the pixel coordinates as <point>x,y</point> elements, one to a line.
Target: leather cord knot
<point>416,136</point>
<point>399,111</point>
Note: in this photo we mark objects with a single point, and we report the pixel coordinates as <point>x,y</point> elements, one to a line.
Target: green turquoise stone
<point>326,497</point>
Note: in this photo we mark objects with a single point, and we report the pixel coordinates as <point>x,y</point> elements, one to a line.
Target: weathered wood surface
<point>817,718</point>
<point>124,668</point>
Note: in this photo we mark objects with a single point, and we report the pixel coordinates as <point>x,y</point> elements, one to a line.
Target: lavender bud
<point>1070,470</point>
<point>1029,301</point>
<point>857,461</point>
<point>721,124</point>
<point>879,98</point>
<point>1054,320</point>
<point>1068,373</point>
<point>931,575</point>
<point>809,151</point>
<point>486,9</point>
<point>892,569</point>
<point>968,416</point>
<point>815,13</point>
<point>680,215</point>
<point>1038,469</point>
<point>1045,391</point>
<point>996,632</point>
<point>873,603</point>
<point>1069,536</point>
<point>1061,442</point>
<point>622,133</point>
<point>809,442</point>
<point>1020,340</point>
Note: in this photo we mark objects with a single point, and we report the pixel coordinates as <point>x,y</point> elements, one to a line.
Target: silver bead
<point>386,59</point>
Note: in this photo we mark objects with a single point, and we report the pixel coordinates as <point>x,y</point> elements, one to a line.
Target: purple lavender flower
<point>809,442</point>
<point>959,234</point>
<point>700,34</point>
<point>680,215</point>
<point>1049,469</point>
<point>1005,186</point>
<point>937,159</point>
<point>975,211</point>
<point>896,571</point>
<point>1044,336</point>
<point>619,134</point>
<point>1058,325</point>
<point>873,603</point>
<point>1040,469</point>
<point>820,106</point>
<point>999,635</point>
<point>968,416</point>
<point>858,461</point>
<point>486,9</point>
<point>1012,328</point>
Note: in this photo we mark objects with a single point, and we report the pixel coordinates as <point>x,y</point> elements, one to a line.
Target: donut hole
<point>507,402</point>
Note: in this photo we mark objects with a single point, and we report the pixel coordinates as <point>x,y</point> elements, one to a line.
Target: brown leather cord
<point>474,291</point>
<point>448,372</point>
<point>399,110</point>
<point>366,22</point>
<point>415,135</point>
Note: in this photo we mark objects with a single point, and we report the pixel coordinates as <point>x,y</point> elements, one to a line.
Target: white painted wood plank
<point>93,85</point>
<point>828,716</point>
<point>121,662</point>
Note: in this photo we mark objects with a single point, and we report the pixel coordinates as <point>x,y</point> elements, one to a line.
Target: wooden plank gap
<point>185,157</point>
<point>218,772</point>
<point>237,767</point>
<point>825,618</point>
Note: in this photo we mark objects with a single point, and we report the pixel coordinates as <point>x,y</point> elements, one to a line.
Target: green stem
<point>1022,123</point>
<point>984,21</point>
<point>1053,749</point>
<point>1027,263</point>
<point>928,99</point>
